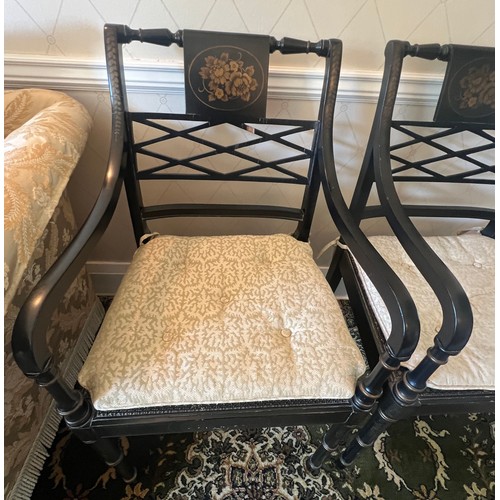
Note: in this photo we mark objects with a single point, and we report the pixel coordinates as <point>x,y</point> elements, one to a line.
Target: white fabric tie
<point>146,238</point>
<point>334,243</point>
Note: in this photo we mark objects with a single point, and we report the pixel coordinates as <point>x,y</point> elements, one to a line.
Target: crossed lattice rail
<point>425,166</point>
<point>240,150</point>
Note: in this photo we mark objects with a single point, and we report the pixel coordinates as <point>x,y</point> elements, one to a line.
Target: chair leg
<point>78,413</point>
<point>109,449</point>
<point>369,389</point>
<point>79,421</point>
<point>398,402</point>
<point>112,453</point>
<point>333,438</point>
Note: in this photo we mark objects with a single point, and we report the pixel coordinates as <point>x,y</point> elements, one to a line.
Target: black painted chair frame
<point>95,427</point>
<point>406,394</point>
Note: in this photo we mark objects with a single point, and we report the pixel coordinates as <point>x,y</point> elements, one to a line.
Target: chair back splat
<point>226,90</point>
<point>437,170</point>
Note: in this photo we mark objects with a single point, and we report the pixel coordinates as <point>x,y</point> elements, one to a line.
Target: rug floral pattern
<point>426,458</point>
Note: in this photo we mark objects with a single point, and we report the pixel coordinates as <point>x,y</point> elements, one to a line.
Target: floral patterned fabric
<point>46,133</point>
<point>25,404</point>
<point>221,319</point>
<point>226,74</point>
<point>38,225</point>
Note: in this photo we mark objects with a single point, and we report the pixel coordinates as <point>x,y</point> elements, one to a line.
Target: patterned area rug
<point>436,457</point>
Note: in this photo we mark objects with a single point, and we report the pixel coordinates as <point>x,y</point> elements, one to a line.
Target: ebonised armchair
<point>430,172</point>
<point>215,331</point>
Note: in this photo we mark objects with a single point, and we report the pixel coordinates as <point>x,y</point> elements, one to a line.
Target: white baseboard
<point>107,276</point>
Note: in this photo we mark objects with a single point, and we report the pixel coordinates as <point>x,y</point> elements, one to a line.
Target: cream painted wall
<point>58,44</point>
<point>72,28</point>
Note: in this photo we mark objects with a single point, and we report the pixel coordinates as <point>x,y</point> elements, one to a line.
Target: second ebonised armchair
<point>437,170</point>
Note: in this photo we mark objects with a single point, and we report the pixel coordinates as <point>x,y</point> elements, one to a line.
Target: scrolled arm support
<point>405,323</point>
<point>29,343</point>
<point>402,395</point>
<point>404,318</point>
<point>457,314</point>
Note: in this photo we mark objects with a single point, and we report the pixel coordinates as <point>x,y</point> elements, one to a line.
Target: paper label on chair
<point>226,75</point>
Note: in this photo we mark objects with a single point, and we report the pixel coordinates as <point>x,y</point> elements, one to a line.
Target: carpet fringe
<point>33,465</point>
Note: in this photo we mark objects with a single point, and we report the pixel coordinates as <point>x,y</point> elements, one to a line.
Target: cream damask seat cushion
<point>471,258</point>
<point>220,320</point>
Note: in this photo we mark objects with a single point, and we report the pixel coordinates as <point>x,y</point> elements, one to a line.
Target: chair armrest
<point>456,327</point>
<point>29,344</point>
<point>404,318</point>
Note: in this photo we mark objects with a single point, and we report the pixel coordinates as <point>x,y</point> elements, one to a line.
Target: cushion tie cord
<point>333,243</point>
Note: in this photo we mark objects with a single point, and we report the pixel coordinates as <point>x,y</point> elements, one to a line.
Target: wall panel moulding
<point>63,74</point>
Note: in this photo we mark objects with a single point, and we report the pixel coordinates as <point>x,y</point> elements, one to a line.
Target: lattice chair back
<point>457,146</point>
<point>224,134</point>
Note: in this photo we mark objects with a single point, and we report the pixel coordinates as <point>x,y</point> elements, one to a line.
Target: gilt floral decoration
<point>226,79</point>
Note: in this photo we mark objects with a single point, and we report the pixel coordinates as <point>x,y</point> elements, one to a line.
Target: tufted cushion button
<point>286,332</point>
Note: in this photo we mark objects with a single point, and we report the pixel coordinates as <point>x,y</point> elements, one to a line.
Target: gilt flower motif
<point>478,88</point>
<point>226,79</point>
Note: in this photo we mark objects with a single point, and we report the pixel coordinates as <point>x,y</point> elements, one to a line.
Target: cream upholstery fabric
<point>46,132</point>
<point>221,319</point>
<point>471,258</point>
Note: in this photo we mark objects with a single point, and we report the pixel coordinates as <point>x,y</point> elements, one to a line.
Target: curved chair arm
<point>405,324</point>
<point>456,327</point>
<point>403,393</point>
<point>404,318</point>
<point>29,344</point>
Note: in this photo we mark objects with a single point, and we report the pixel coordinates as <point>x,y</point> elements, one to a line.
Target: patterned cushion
<point>471,258</point>
<point>219,320</point>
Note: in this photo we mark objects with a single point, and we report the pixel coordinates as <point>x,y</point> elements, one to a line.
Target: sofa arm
<point>48,133</point>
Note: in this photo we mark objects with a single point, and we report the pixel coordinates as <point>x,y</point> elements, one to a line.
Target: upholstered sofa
<point>45,135</point>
